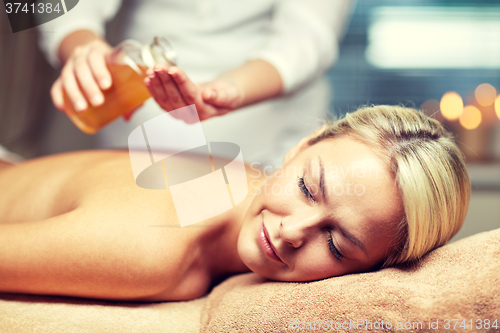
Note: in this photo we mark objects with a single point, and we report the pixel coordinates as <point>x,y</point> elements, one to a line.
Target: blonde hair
<point>429,170</point>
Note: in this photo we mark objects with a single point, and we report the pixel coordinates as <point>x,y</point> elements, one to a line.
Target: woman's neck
<point>222,243</point>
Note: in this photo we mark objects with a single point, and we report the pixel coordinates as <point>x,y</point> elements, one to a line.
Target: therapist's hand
<point>172,89</point>
<point>84,76</point>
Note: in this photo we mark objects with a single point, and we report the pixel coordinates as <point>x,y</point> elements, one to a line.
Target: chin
<point>283,277</point>
<point>269,275</point>
<point>251,256</point>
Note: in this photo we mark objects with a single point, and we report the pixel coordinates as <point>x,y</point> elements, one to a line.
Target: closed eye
<point>303,188</point>
<point>333,248</point>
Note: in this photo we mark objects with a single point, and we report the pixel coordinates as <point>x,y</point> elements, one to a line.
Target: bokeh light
<point>471,117</point>
<point>485,94</point>
<point>451,105</point>
<point>497,106</point>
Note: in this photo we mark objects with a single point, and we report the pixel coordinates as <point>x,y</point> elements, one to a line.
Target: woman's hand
<point>84,76</point>
<point>172,89</point>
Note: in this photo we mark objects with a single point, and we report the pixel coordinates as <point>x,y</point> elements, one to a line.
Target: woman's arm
<point>303,38</point>
<point>75,41</point>
<point>252,82</point>
<point>257,80</point>
<point>77,225</point>
<point>78,254</point>
<point>88,15</point>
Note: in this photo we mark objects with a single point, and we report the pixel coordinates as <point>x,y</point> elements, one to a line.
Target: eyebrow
<point>322,178</point>
<point>353,239</point>
<point>344,232</point>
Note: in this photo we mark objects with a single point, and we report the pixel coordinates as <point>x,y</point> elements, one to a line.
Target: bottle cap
<point>159,51</point>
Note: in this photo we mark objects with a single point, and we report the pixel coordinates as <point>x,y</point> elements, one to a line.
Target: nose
<point>296,230</point>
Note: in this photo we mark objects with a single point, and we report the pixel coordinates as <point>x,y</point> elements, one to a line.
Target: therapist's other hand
<point>172,89</point>
<point>84,76</point>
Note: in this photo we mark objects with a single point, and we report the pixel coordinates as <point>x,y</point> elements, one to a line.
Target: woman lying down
<point>77,224</point>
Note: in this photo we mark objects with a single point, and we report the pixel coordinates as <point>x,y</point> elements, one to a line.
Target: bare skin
<point>77,225</point>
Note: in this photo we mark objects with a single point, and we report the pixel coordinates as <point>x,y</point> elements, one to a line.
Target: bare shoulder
<point>194,283</point>
<point>126,240</point>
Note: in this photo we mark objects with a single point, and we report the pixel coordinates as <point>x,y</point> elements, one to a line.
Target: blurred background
<point>440,56</point>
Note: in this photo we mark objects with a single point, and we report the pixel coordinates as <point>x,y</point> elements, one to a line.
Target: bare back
<point>77,225</point>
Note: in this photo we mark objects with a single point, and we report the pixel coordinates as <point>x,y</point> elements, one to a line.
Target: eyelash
<point>332,247</point>
<point>303,188</point>
<point>309,196</point>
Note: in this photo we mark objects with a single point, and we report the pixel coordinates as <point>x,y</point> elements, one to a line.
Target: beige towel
<point>45,314</point>
<point>453,287</point>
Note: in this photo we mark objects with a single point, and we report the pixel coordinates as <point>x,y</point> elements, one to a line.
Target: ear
<point>304,143</point>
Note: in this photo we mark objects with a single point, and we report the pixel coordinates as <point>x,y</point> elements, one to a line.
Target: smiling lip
<point>266,245</point>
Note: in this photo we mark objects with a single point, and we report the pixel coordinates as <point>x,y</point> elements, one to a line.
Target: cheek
<point>251,255</point>
<point>315,265</point>
<point>279,194</point>
<point>246,245</point>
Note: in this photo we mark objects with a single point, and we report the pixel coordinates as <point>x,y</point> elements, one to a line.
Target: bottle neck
<point>147,56</point>
<point>141,57</point>
<point>159,50</point>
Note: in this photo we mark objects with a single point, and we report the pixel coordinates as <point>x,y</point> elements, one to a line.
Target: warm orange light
<point>471,117</point>
<point>451,105</point>
<point>497,106</point>
<point>485,94</point>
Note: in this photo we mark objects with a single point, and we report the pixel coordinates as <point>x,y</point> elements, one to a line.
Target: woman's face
<point>331,210</point>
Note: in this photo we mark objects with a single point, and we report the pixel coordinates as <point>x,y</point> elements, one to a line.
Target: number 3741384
<point>40,8</point>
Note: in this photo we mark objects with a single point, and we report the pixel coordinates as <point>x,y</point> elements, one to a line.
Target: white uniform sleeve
<point>87,14</point>
<point>304,38</point>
